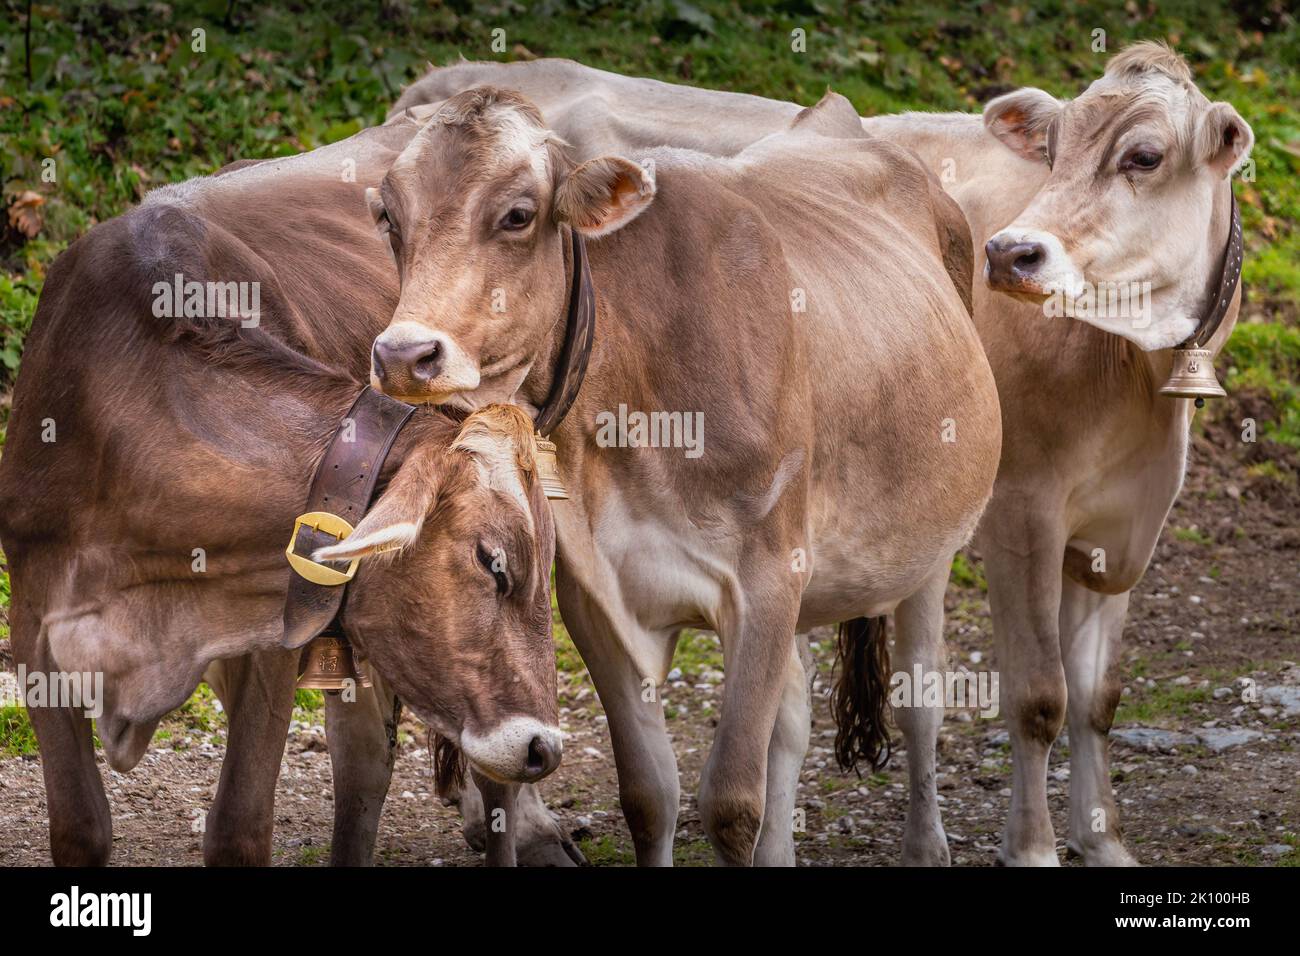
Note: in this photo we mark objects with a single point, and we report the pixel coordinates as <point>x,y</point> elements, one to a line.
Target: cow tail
<point>448,767</point>
<point>860,700</point>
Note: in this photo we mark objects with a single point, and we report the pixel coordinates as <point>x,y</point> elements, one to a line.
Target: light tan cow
<point>1093,457</point>
<point>800,308</point>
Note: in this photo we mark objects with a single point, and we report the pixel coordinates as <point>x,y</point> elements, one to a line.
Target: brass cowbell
<point>328,664</point>
<point>548,470</point>
<point>1192,376</point>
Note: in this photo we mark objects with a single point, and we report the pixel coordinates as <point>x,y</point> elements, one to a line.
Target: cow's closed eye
<point>493,561</point>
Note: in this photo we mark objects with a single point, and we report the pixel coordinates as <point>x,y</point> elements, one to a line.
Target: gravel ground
<point>1203,776</point>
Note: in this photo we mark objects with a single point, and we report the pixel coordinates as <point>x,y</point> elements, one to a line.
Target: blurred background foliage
<point>116,95</point>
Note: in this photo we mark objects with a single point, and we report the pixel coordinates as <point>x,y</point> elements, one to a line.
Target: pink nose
<point>1011,262</point>
<point>401,366</point>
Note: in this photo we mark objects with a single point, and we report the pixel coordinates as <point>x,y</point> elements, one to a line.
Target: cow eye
<point>493,561</point>
<point>517,218</point>
<point>1145,159</point>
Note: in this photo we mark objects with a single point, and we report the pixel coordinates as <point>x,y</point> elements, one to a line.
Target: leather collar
<point>1229,276</point>
<point>343,485</point>
<point>579,334</point>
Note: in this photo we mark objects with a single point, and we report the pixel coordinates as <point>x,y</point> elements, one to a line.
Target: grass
<point>967,573</point>
<point>1193,535</point>
<point>17,738</point>
<point>120,100</point>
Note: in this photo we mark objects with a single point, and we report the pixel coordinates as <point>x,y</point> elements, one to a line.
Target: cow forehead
<point>501,137</point>
<point>1119,103</point>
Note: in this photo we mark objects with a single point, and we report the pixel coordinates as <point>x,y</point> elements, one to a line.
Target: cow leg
<point>256,691</point>
<point>785,755</point>
<point>362,737</point>
<point>1024,575</point>
<point>757,645</point>
<point>81,826</point>
<point>499,818</point>
<point>919,642</point>
<point>1091,627</point>
<point>648,788</point>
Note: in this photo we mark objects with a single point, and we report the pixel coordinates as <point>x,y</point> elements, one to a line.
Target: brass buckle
<point>314,571</point>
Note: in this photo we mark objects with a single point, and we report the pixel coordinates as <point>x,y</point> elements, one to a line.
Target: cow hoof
<point>926,848</point>
<point>1110,853</point>
<point>1029,858</point>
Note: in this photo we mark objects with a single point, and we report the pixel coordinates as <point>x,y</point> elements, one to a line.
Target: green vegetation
<point>1194,535</point>
<point>121,101</point>
<point>967,573</point>
<point>17,738</point>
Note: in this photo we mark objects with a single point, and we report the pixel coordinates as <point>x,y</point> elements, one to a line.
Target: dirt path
<point>1213,780</point>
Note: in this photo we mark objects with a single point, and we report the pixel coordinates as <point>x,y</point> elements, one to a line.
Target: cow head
<point>473,208</point>
<point>1137,200</point>
<point>453,604</point>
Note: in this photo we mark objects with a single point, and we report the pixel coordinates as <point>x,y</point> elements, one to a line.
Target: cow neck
<point>574,351</point>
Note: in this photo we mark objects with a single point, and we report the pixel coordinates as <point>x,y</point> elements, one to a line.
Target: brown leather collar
<point>1229,276</point>
<point>579,334</point>
<point>343,485</point>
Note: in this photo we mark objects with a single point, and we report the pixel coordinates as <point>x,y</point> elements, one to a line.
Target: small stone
<point>1286,696</point>
<point>1219,739</point>
<point>1190,770</point>
<point>1222,693</point>
<point>675,674</point>
<point>1276,849</point>
<point>1152,738</point>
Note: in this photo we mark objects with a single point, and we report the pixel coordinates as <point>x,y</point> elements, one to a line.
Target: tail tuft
<point>860,700</point>
<point>448,767</point>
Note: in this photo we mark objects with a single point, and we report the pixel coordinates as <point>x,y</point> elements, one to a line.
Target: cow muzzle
<point>416,364</point>
<point>1029,263</point>
<point>517,750</point>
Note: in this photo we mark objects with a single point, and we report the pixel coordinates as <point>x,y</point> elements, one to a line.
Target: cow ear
<point>603,195</point>
<point>1224,139</point>
<point>396,518</point>
<point>500,441</point>
<point>1021,120</point>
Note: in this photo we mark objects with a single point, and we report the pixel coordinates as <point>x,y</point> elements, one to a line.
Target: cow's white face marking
<point>459,373</point>
<point>498,466</point>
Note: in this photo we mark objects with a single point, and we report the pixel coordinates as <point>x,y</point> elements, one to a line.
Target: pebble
<point>1152,738</point>
<point>1218,739</point>
<point>1285,696</point>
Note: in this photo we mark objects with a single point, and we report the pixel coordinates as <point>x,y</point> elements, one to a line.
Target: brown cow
<point>802,303</point>
<point>153,469</point>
